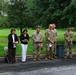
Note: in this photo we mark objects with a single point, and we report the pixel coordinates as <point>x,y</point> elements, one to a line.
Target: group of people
<point>12,43</point>
<point>51,42</point>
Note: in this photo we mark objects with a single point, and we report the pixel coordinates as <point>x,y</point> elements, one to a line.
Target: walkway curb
<point>42,55</point>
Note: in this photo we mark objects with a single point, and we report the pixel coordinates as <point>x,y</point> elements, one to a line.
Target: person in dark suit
<point>12,42</point>
<point>24,38</point>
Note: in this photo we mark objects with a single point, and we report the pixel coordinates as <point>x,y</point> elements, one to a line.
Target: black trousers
<point>12,54</point>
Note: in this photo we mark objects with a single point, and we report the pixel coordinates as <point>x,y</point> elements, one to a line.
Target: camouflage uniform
<point>49,34</point>
<point>68,37</point>
<point>36,46</point>
<point>55,39</point>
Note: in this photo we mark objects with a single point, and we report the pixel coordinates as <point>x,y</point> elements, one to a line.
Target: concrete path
<point>58,66</point>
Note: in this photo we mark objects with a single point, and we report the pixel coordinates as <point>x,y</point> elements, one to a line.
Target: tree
<point>3,13</point>
<point>55,11</point>
<point>3,6</point>
<point>69,13</point>
<point>17,14</point>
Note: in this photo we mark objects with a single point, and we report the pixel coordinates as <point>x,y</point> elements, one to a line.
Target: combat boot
<point>55,57</point>
<point>51,58</point>
<point>46,59</point>
<point>70,57</point>
<point>38,59</point>
<point>34,60</point>
<point>65,57</point>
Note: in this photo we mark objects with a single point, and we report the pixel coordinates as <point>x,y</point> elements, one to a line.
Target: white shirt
<point>14,46</point>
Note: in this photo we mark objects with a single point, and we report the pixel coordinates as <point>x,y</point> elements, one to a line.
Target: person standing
<point>68,36</point>
<point>24,38</point>
<point>55,32</point>
<point>12,42</point>
<point>49,34</point>
<point>37,44</point>
<point>55,39</point>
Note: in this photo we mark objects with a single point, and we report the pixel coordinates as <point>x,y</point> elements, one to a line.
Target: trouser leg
<point>24,52</point>
<point>47,51</point>
<point>52,53</point>
<point>55,48</point>
<point>13,55</point>
<point>65,50</point>
<point>10,54</point>
<point>34,51</point>
<point>38,53</point>
<point>70,49</point>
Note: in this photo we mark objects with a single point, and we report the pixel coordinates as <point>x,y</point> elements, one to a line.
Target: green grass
<point>3,40</point>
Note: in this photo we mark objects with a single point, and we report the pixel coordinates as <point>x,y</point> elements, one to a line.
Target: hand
<point>52,42</point>
<point>15,42</point>
<point>39,41</point>
<point>69,41</point>
<point>41,47</point>
<point>24,40</point>
<point>42,40</point>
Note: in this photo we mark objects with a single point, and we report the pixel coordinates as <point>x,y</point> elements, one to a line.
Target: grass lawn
<point>4,33</point>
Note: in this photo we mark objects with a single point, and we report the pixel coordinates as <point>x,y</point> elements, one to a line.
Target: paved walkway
<point>58,66</point>
<point>64,70</point>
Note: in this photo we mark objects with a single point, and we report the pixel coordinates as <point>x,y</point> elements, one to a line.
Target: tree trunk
<point>20,29</point>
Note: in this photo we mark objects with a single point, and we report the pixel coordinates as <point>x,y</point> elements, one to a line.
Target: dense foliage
<point>60,12</point>
<point>31,13</point>
<point>17,14</point>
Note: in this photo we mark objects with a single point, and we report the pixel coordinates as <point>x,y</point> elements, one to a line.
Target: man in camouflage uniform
<point>55,38</point>
<point>55,32</point>
<point>50,43</point>
<point>68,36</point>
<point>37,44</point>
